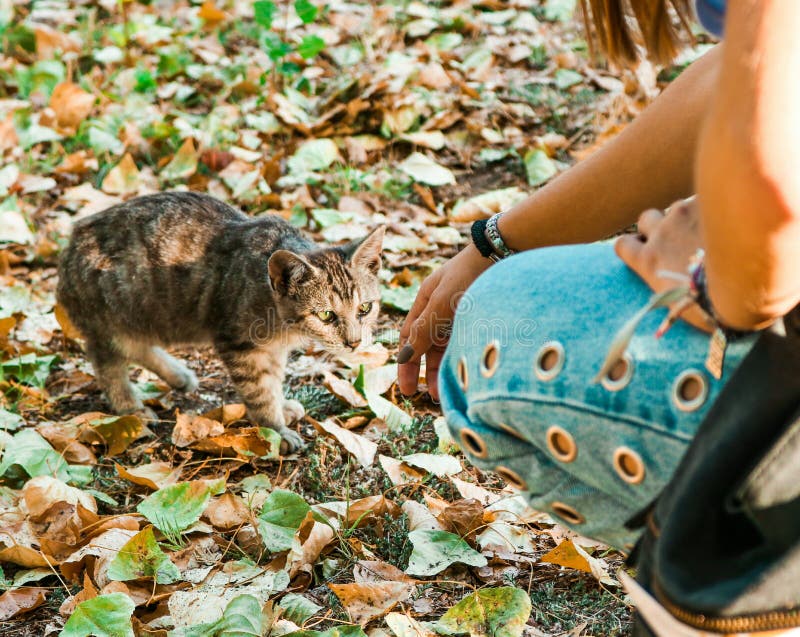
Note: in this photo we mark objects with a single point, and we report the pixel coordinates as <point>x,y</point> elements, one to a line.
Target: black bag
<point>721,551</point>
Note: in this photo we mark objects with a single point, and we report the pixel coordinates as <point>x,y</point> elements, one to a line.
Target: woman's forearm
<point>648,165</point>
<point>748,167</point>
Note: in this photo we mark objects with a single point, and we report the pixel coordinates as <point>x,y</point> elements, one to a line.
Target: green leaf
<point>423,169</point>
<point>401,297</point>
<point>434,551</point>
<point>178,506</point>
<point>102,616</point>
<point>327,217</point>
<point>243,617</point>
<point>141,556</point>
<point>280,517</point>
<point>337,631</point>
<point>28,450</point>
<point>310,45</point>
<point>28,368</point>
<point>567,77</point>
<point>298,609</point>
<point>539,167</point>
<point>315,154</point>
<point>559,10</point>
<point>499,612</point>
<point>264,12</point>
<point>306,11</point>
<point>444,41</point>
<point>10,421</point>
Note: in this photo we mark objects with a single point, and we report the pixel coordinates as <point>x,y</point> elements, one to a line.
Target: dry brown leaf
<point>191,428</point>
<point>226,414</point>
<point>100,550</point>
<point>344,390</point>
<point>399,472</point>
<point>49,42</point>
<point>246,442</point>
<point>7,324</point>
<point>89,591</point>
<point>434,76</point>
<point>122,179</point>
<point>42,492</point>
<point>26,556</point>
<point>359,447</point>
<point>310,540</point>
<point>463,517</point>
<point>155,475</point>
<point>227,512</point>
<point>21,600</point>
<point>376,571</point>
<point>63,440</point>
<point>71,104</point>
<point>365,602</point>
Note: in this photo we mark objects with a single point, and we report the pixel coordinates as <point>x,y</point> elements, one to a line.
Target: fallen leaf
<point>175,508</point>
<point>438,464</point>
<point>423,169</point>
<point>344,390</point>
<point>42,492</point>
<point>71,104</point>
<point>405,626</point>
<point>399,472</point>
<point>358,446</point>
<point>227,512</point>
<point>567,555</point>
<point>210,13</point>
<point>191,428</point>
<point>434,551</point>
<point>365,602</point>
<point>154,475</point>
<point>21,600</point>
<point>122,179</point>
<point>101,616</point>
<point>489,612</point>
<point>141,556</point>
<point>183,164</point>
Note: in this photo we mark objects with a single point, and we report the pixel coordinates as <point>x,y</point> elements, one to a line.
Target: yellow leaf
<point>210,13</point>
<point>183,164</point>
<point>71,104</point>
<point>565,554</point>
<point>123,178</point>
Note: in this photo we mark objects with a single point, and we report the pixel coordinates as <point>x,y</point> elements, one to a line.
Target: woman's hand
<point>666,243</point>
<point>427,327</point>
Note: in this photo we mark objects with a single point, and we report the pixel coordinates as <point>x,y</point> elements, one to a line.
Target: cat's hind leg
<point>258,375</point>
<point>174,372</point>
<point>110,365</point>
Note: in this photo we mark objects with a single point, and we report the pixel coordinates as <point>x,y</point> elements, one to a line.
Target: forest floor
<point>338,116</point>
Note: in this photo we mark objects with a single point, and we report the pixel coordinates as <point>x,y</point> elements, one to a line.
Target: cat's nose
<point>353,344</point>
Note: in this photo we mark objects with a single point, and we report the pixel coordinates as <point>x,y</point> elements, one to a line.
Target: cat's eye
<point>365,308</point>
<point>326,316</point>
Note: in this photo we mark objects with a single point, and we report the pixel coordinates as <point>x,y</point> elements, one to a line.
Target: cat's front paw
<point>291,441</point>
<point>293,410</point>
<point>185,380</point>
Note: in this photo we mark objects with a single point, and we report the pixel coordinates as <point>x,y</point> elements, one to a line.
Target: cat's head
<point>330,295</point>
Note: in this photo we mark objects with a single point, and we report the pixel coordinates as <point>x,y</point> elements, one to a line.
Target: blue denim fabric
<point>579,297</point>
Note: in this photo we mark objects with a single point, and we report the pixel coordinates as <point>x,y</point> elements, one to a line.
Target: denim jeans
<point>518,392</point>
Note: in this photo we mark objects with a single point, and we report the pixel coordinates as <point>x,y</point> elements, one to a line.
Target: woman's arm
<point>748,166</point>
<point>647,165</point>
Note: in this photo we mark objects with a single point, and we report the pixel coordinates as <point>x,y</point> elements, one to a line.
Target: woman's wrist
<point>488,241</point>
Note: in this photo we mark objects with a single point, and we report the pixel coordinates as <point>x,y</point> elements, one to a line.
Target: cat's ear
<point>366,253</point>
<point>288,271</point>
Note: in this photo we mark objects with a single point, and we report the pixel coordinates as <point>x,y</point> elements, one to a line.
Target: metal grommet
<point>511,477</point>
<point>567,513</point>
<point>511,431</point>
<point>549,361</point>
<point>463,374</point>
<point>490,359</point>
<point>690,390</point>
<point>561,444</point>
<point>473,443</point>
<point>619,375</point>
<point>629,465</point>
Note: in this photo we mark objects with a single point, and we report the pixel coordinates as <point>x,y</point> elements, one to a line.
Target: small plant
<point>278,45</point>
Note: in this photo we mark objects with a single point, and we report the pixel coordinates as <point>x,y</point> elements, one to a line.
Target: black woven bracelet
<point>479,238</point>
<point>702,299</point>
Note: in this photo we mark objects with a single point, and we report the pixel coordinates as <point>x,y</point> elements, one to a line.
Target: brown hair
<point>618,26</point>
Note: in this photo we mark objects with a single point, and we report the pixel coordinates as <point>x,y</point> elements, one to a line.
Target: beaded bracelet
<point>493,234</point>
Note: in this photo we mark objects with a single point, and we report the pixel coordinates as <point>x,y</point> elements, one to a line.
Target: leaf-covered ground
<point>338,116</point>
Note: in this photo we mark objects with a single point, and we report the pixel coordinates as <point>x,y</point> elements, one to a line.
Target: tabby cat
<point>184,268</point>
